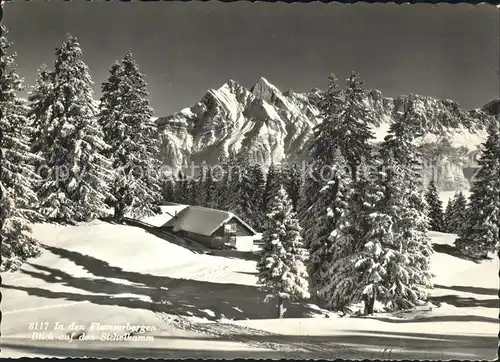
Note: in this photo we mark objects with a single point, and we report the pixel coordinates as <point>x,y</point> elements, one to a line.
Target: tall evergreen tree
<point>482,231</point>
<point>435,214</point>
<point>17,174</point>
<point>383,251</point>
<point>126,117</point>
<point>322,149</point>
<point>354,131</point>
<point>281,269</point>
<point>76,176</point>
<point>327,216</point>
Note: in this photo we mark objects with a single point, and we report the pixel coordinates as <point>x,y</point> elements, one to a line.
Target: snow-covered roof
<point>167,213</point>
<point>202,220</point>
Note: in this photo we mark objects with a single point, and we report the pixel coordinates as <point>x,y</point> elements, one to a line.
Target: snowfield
<point>102,281</point>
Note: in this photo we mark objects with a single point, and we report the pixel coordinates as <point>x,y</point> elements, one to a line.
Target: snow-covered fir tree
<point>383,251</point>
<point>257,184</point>
<point>457,217</point>
<point>227,185</point>
<point>354,130</point>
<point>282,272</point>
<point>126,118</point>
<point>292,179</point>
<point>17,173</point>
<point>481,233</point>
<point>211,192</point>
<point>168,189</point>
<point>181,188</point>
<point>435,210</point>
<point>75,174</point>
<point>241,184</point>
<point>273,183</point>
<point>327,215</point>
<point>322,148</point>
<point>194,191</point>
<point>448,216</point>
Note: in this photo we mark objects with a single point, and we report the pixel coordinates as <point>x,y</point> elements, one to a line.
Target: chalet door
<point>230,234</point>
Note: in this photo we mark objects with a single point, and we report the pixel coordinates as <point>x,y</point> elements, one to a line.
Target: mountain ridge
<point>274,126</point>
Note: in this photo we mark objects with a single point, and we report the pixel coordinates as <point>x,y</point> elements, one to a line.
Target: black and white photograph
<point>249,180</point>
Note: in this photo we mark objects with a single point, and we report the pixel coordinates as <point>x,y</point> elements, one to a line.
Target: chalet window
<point>230,228</point>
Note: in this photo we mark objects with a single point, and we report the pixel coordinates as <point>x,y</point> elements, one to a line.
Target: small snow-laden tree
<point>257,185</point>
<point>435,210</point>
<point>75,174</point>
<point>127,120</point>
<point>241,184</point>
<point>448,216</point>
<point>282,272</point>
<point>292,179</point>
<point>213,187</point>
<point>168,189</point>
<point>482,231</point>
<point>273,183</point>
<point>17,174</point>
<point>230,174</point>
<point>457,218</point>
<point>181,188</point>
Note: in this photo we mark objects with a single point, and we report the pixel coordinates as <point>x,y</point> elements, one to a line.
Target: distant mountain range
<point>272,126</point>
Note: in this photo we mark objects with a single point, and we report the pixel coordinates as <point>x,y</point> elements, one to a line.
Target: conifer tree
<point>383,251</point>
<point>354,131</point>
<point>322,149</point>
<point>168,190</point>
<point>282,273</point>
<point>182,188</point>
<point>435,214</point>
<point>292,180</point>
<point>458,214</point>
<point>448,216</point>
<point>481,234</point>
<point>75,177</point>
<point>193,187</point>
<point>327,215</point>
<point>17,173</point>
<point>212,184</point>
<point>272,185</point>
<point>126,117</point>
<point>257,185</point>
<point>241,183</point>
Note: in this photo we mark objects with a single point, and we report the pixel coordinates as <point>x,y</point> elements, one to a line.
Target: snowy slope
<point>105,273</point>
<point>209,306</point>
<point>271,126</point>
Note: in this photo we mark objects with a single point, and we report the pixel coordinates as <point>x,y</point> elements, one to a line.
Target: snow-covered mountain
<point>271,126</point>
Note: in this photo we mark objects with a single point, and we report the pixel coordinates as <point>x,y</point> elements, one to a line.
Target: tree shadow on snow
<point>454,251</point>
<point>151,292</point>
<point>466,302</point>
<point>468,289</point>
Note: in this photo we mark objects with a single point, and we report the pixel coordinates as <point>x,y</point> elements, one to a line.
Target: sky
<point>185,48</point>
